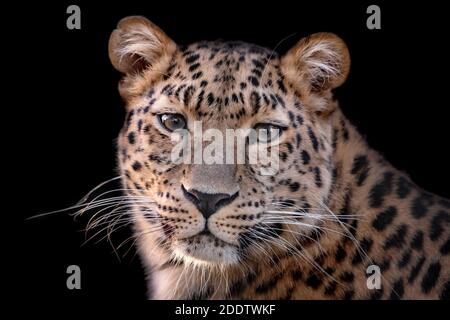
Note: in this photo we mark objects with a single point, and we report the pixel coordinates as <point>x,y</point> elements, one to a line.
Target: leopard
<point>336,221</point>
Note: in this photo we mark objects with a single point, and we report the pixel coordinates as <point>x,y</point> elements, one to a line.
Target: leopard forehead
<point>224,80</point>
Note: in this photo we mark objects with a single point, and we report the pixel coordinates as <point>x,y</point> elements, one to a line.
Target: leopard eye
<point>172,121</point>
<point>267,132</point>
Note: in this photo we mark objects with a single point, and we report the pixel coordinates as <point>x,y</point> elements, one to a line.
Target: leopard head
<point>222,213</point>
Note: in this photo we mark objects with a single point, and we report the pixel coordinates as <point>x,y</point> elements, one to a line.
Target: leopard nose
<point>208,203</point>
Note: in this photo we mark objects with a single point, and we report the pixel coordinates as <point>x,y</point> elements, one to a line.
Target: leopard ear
<point>137,43</point>
<point>317,63</point>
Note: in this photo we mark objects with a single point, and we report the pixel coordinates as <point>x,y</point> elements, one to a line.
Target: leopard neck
<point>357,168</point>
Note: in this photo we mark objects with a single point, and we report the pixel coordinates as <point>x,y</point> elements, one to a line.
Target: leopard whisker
<point>295,251</point>
<point>252,242</point>
<point>310,214</point>
<point>304,225</point>
<point>361,251</point>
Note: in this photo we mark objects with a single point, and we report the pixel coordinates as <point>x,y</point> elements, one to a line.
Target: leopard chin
<point>205,249</point>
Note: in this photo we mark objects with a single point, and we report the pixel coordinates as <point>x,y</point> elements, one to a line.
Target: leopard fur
<point>372,214</point>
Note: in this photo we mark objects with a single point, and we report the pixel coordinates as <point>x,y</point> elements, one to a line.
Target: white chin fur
<point>205,253</point>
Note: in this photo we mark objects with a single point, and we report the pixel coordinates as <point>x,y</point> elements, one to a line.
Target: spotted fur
<point>369,212</point>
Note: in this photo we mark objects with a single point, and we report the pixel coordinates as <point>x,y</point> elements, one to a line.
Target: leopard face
<point>218,214</point>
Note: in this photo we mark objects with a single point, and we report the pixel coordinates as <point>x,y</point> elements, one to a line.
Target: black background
<point>70,111</point>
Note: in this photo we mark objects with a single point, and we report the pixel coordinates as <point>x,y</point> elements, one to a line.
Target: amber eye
<point>172,121</point>
<point>267,132</point>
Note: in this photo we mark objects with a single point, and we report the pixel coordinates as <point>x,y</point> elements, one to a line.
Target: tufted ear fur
<point>137,43</point>
<point>317,64</point>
